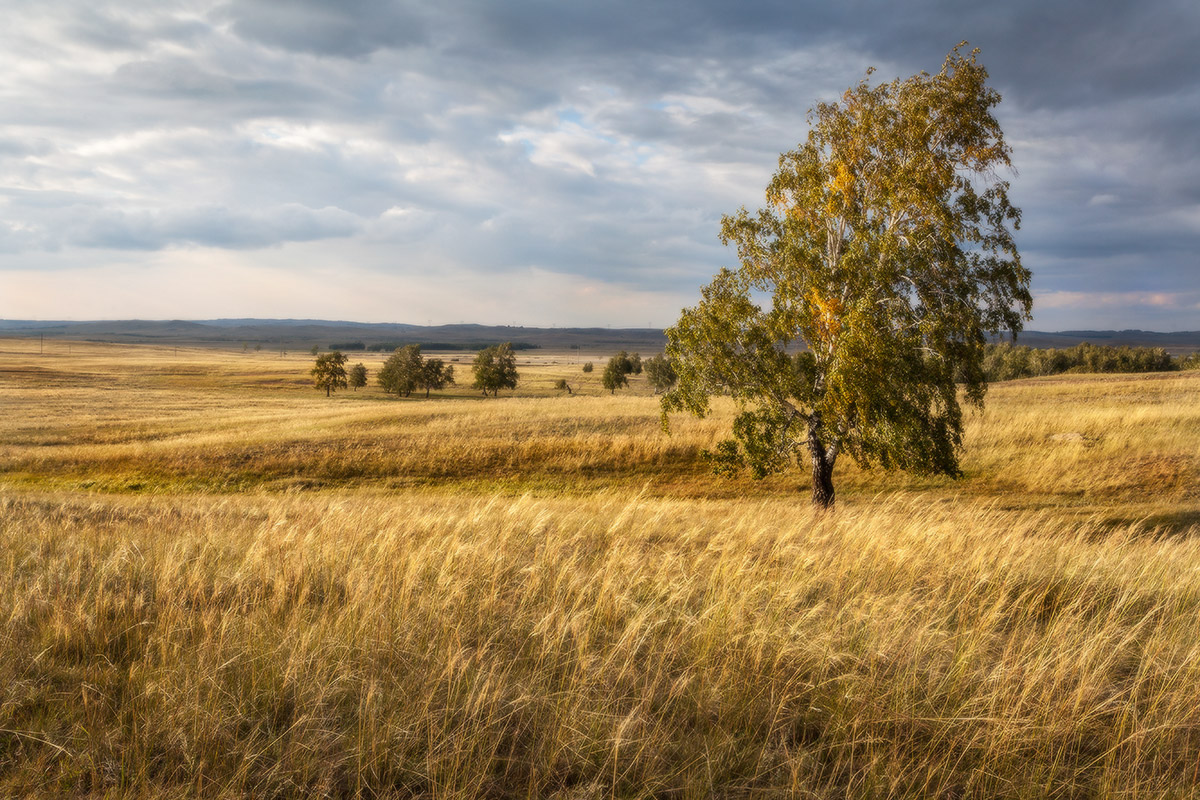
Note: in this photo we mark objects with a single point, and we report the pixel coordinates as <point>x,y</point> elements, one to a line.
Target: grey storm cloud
<point>213,227</point>
<point>599,142</point>
<point>347,28</point>
<point>181,81</point>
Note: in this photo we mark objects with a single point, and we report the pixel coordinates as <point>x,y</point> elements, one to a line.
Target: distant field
<point>215,581</point>
<point>122,418</point>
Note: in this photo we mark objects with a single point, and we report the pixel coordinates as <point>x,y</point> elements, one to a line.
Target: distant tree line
<point>384,347</point>
<point>1006,361</point>
<point>407,371</point>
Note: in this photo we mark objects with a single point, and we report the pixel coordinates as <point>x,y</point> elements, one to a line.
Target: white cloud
<point>567,146</point>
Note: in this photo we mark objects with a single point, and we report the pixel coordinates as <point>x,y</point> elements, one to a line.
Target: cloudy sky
<point>545,162</point>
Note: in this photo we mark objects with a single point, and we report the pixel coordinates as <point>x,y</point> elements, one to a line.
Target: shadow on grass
<point>1177,523</point>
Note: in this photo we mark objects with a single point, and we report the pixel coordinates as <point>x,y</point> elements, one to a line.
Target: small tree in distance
<point>435,374</point>
<point>613,378</point>
<point>886,250</point>
<point>406,370</point>
<point>619,368</point>
<point>587,366</point>
<point>358,376</point>
<point>660,372</point>
<point>329,373</point>
<point>496,368</point>
<point>403,371</point>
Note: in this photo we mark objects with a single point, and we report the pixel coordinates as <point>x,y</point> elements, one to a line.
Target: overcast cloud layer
<point>545,162</point>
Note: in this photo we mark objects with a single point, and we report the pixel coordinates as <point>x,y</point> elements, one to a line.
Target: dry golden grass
<point>115,418</point>
<point>544,596</point>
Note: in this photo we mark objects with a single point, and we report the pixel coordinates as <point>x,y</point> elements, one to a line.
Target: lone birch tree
<point>886,257</point>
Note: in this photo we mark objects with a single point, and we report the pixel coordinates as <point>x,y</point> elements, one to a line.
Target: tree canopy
<point>495,369</point>
<point>358,376</point>
<point>886,258</point>
<point>619,368</point>
<point>661,373</point>
<point>406,370</point>
<point>403,370</point>
<point>436,374</point>
<point>329,372</point>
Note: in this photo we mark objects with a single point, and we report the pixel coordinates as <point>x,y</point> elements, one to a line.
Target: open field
<point>214,581</point>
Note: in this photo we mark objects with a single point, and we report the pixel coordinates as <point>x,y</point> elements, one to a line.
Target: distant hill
<point>304,333</point>
<point>1176,342</point>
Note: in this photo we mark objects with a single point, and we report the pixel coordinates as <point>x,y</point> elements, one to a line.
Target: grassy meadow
<point>216,582</point>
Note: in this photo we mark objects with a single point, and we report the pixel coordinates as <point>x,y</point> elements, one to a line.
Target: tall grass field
<point>216,582</point>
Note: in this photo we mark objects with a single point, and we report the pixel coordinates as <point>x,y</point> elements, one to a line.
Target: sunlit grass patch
<point>1079,442</point>
<point>426,644</point>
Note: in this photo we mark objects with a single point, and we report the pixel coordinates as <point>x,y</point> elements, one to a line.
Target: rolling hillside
<point>304,333</point>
